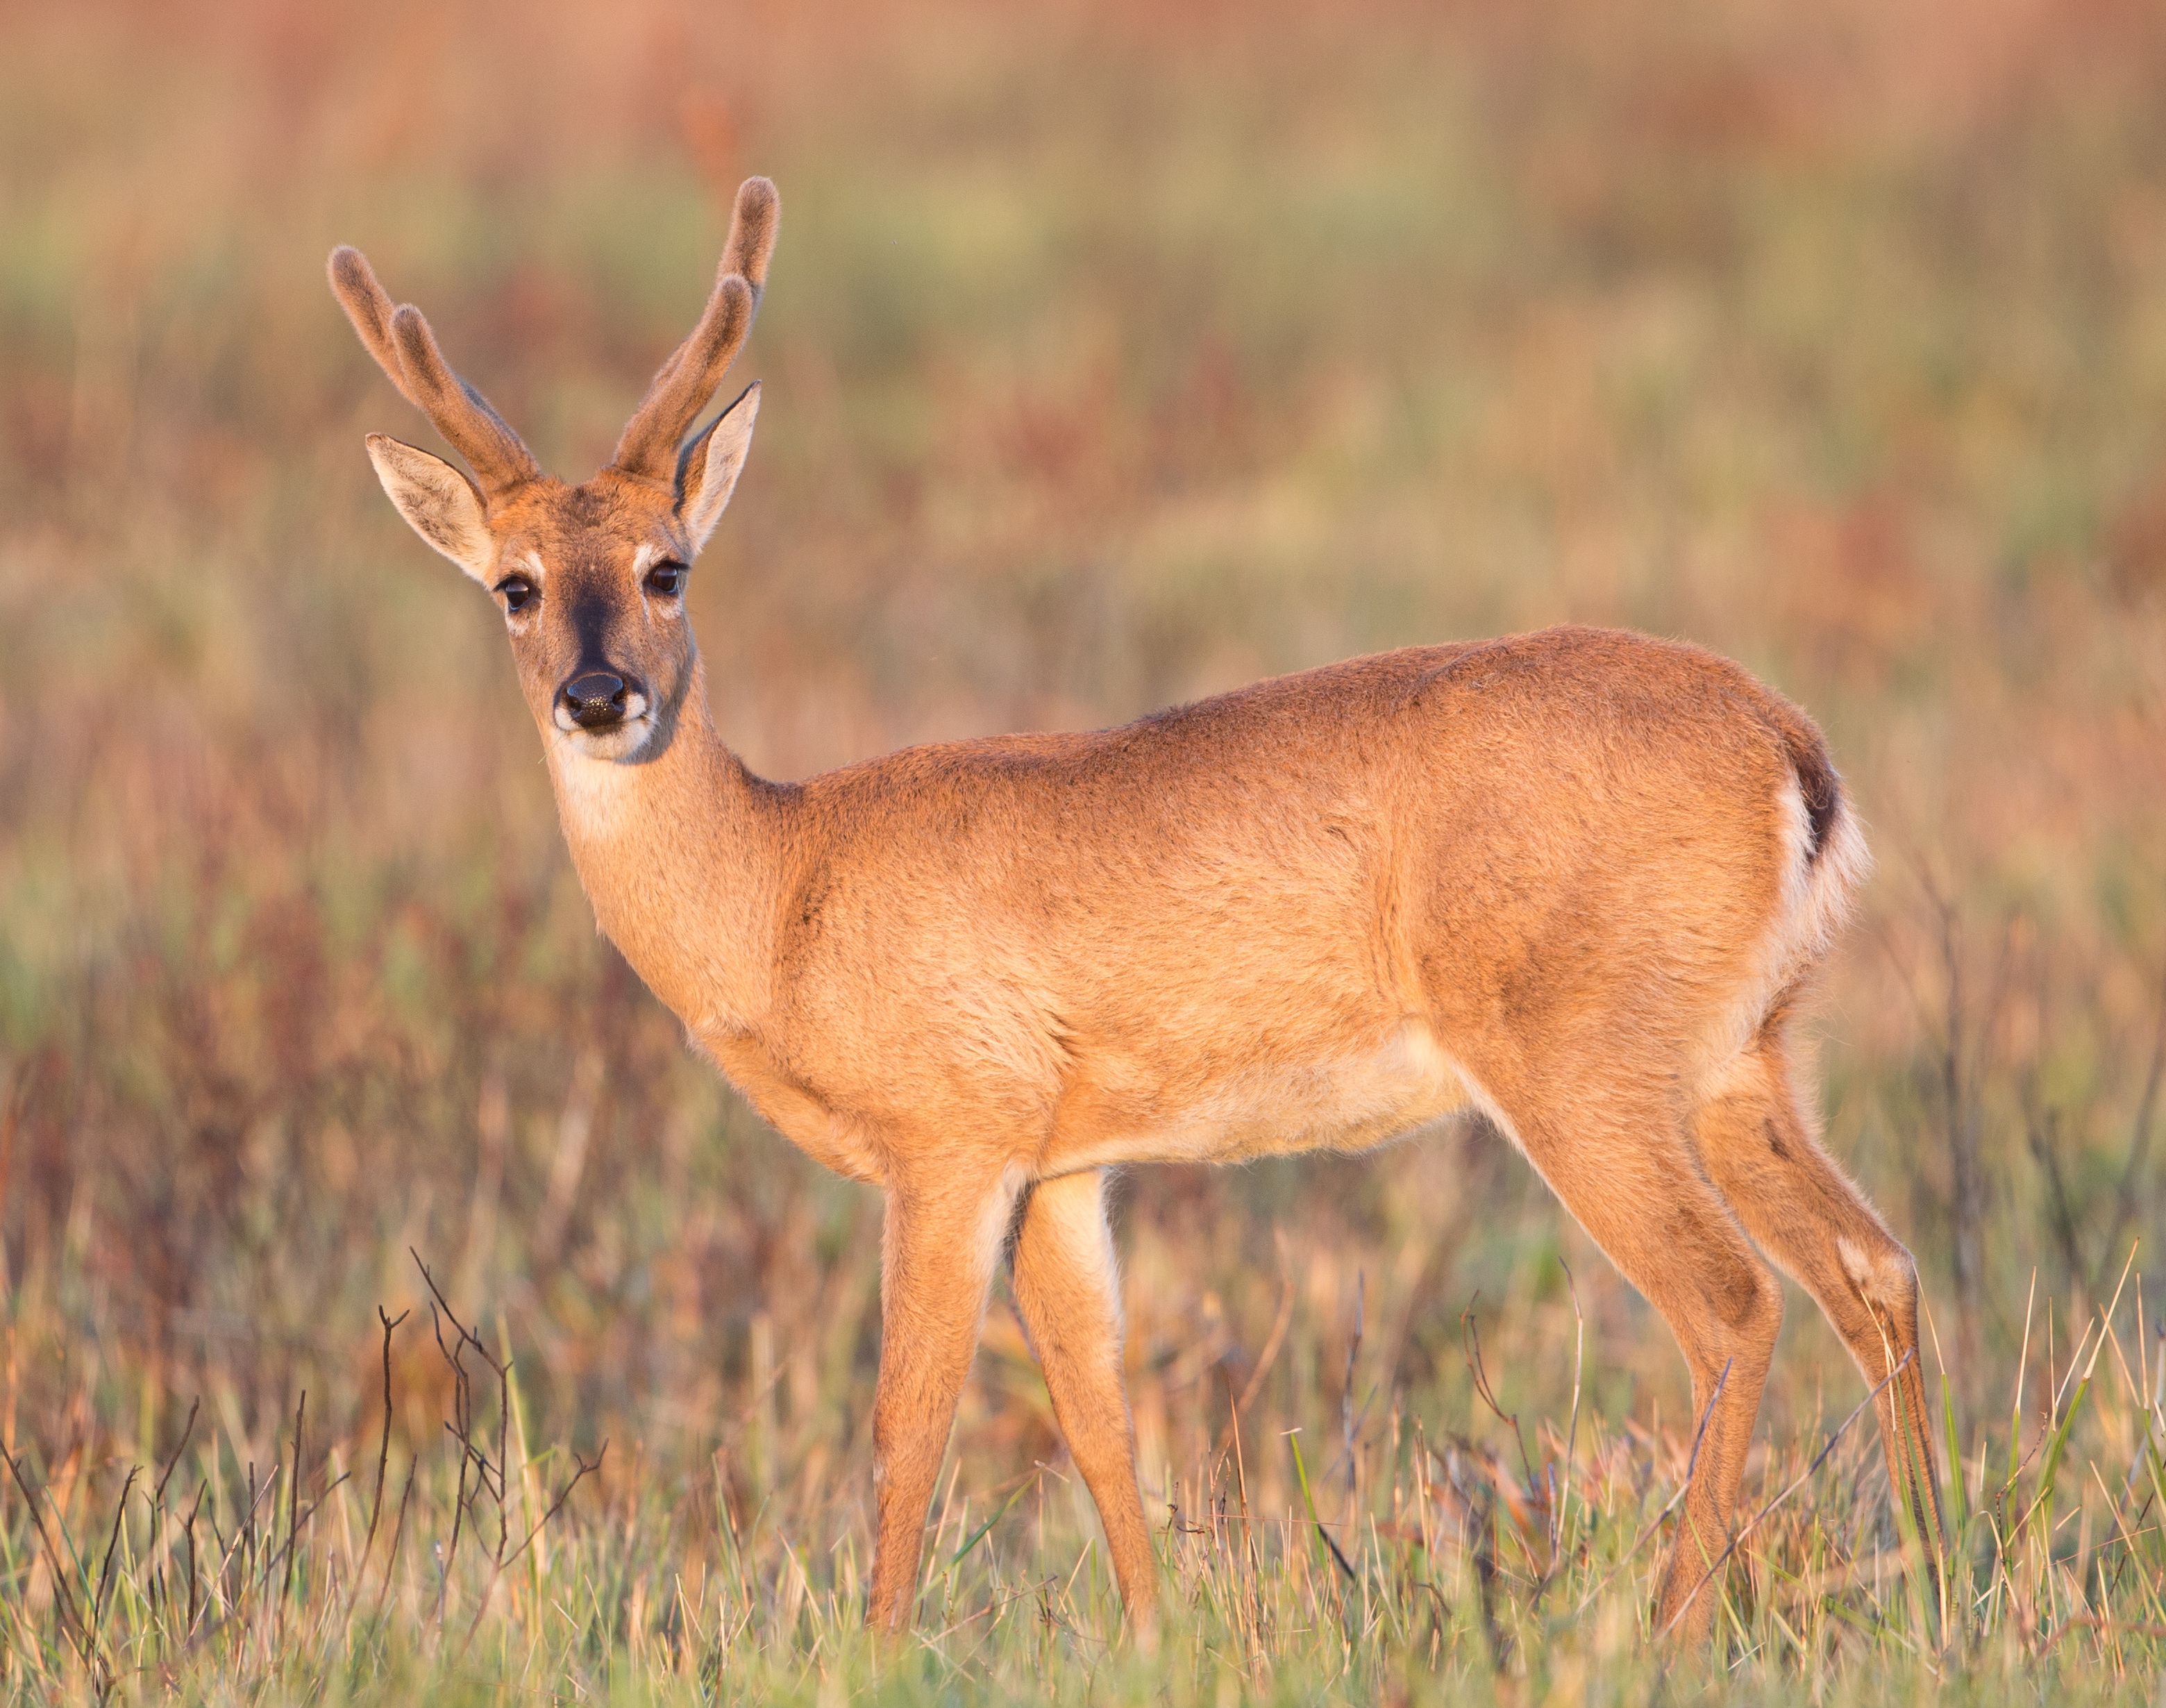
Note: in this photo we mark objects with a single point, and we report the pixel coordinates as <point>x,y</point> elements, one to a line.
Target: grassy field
<point>1112,354</point>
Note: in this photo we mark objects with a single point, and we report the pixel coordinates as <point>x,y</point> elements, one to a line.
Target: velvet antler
<point>405,349</point>
<point>688,379</point>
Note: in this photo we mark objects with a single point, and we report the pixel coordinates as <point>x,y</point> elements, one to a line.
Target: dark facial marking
<point>591,610</point>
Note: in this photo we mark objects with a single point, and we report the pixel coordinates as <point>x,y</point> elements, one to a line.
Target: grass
<point>1406,1567</point>
<point>1112,357</point>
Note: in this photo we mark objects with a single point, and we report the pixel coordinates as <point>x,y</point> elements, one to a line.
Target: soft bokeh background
<point>1113,355</point>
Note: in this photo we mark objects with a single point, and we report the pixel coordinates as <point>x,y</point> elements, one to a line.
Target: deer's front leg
<point>941,1244</point>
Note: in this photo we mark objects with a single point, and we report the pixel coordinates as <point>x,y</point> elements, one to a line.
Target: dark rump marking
<point>1817,783</point>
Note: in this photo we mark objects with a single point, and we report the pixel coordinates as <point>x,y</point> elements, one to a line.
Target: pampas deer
<point>1576,882</point>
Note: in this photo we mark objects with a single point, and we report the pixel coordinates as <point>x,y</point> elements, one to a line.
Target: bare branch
<point>85,1639</point>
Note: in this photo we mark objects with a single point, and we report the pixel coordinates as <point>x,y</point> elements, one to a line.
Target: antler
<point>685,382</point>
<point>405,349</point>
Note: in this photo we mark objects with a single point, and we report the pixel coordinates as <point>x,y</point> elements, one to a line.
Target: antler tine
<point>751,242</point>
<point>369,306</point>
<point>753,223</point>
<point>405,349</point>
<point>684,383</point>
<point>461,414</point>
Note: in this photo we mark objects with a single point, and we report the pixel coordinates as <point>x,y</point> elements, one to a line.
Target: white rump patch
<point>1820,891</point>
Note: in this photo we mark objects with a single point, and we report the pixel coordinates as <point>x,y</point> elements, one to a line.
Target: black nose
<point>595,699</point>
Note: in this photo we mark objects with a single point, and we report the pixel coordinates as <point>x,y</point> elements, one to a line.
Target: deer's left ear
<point>708,469</point>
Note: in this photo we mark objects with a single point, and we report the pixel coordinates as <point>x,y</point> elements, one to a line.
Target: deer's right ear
<point>438,501</point>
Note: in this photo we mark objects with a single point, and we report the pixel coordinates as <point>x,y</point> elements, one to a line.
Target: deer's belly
<point>1347,1100</point>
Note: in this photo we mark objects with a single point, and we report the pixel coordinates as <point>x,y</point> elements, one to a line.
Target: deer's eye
<point>666,577</point>
<point>517,592</point>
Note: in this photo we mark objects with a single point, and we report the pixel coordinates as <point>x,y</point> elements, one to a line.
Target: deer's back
<point>1277,916</point>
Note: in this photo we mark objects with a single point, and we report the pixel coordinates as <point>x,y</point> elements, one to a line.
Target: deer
<point>1576,885</point>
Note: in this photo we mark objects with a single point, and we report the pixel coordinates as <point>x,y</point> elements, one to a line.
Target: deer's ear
<point>439,502</point>
<point>707,472</point>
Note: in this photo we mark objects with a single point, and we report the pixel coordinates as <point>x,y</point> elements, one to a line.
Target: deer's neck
<point>681,855</point>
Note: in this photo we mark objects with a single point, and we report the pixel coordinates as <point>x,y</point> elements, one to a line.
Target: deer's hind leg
<point>1067,1288</point>
<point>1758,1145</point>
<point>1618,1158</point>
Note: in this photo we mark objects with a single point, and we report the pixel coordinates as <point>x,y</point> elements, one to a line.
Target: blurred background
<point>1113,355</point>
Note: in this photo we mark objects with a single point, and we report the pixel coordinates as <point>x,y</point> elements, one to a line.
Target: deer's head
<point>591,577</point>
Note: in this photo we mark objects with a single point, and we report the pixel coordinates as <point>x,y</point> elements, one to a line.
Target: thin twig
<point>86,1637</point>
<point>292,1516</point>
<point>158,1497</point>
<point>1470,1347</point>
<point>240,1534</point>
<point>398,1534</point>
<point>382,1458</point>
<point>112,1545</point>
<point>579,1476</point>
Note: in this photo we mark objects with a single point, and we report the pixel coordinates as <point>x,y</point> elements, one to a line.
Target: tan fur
<point>1574,880</point>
